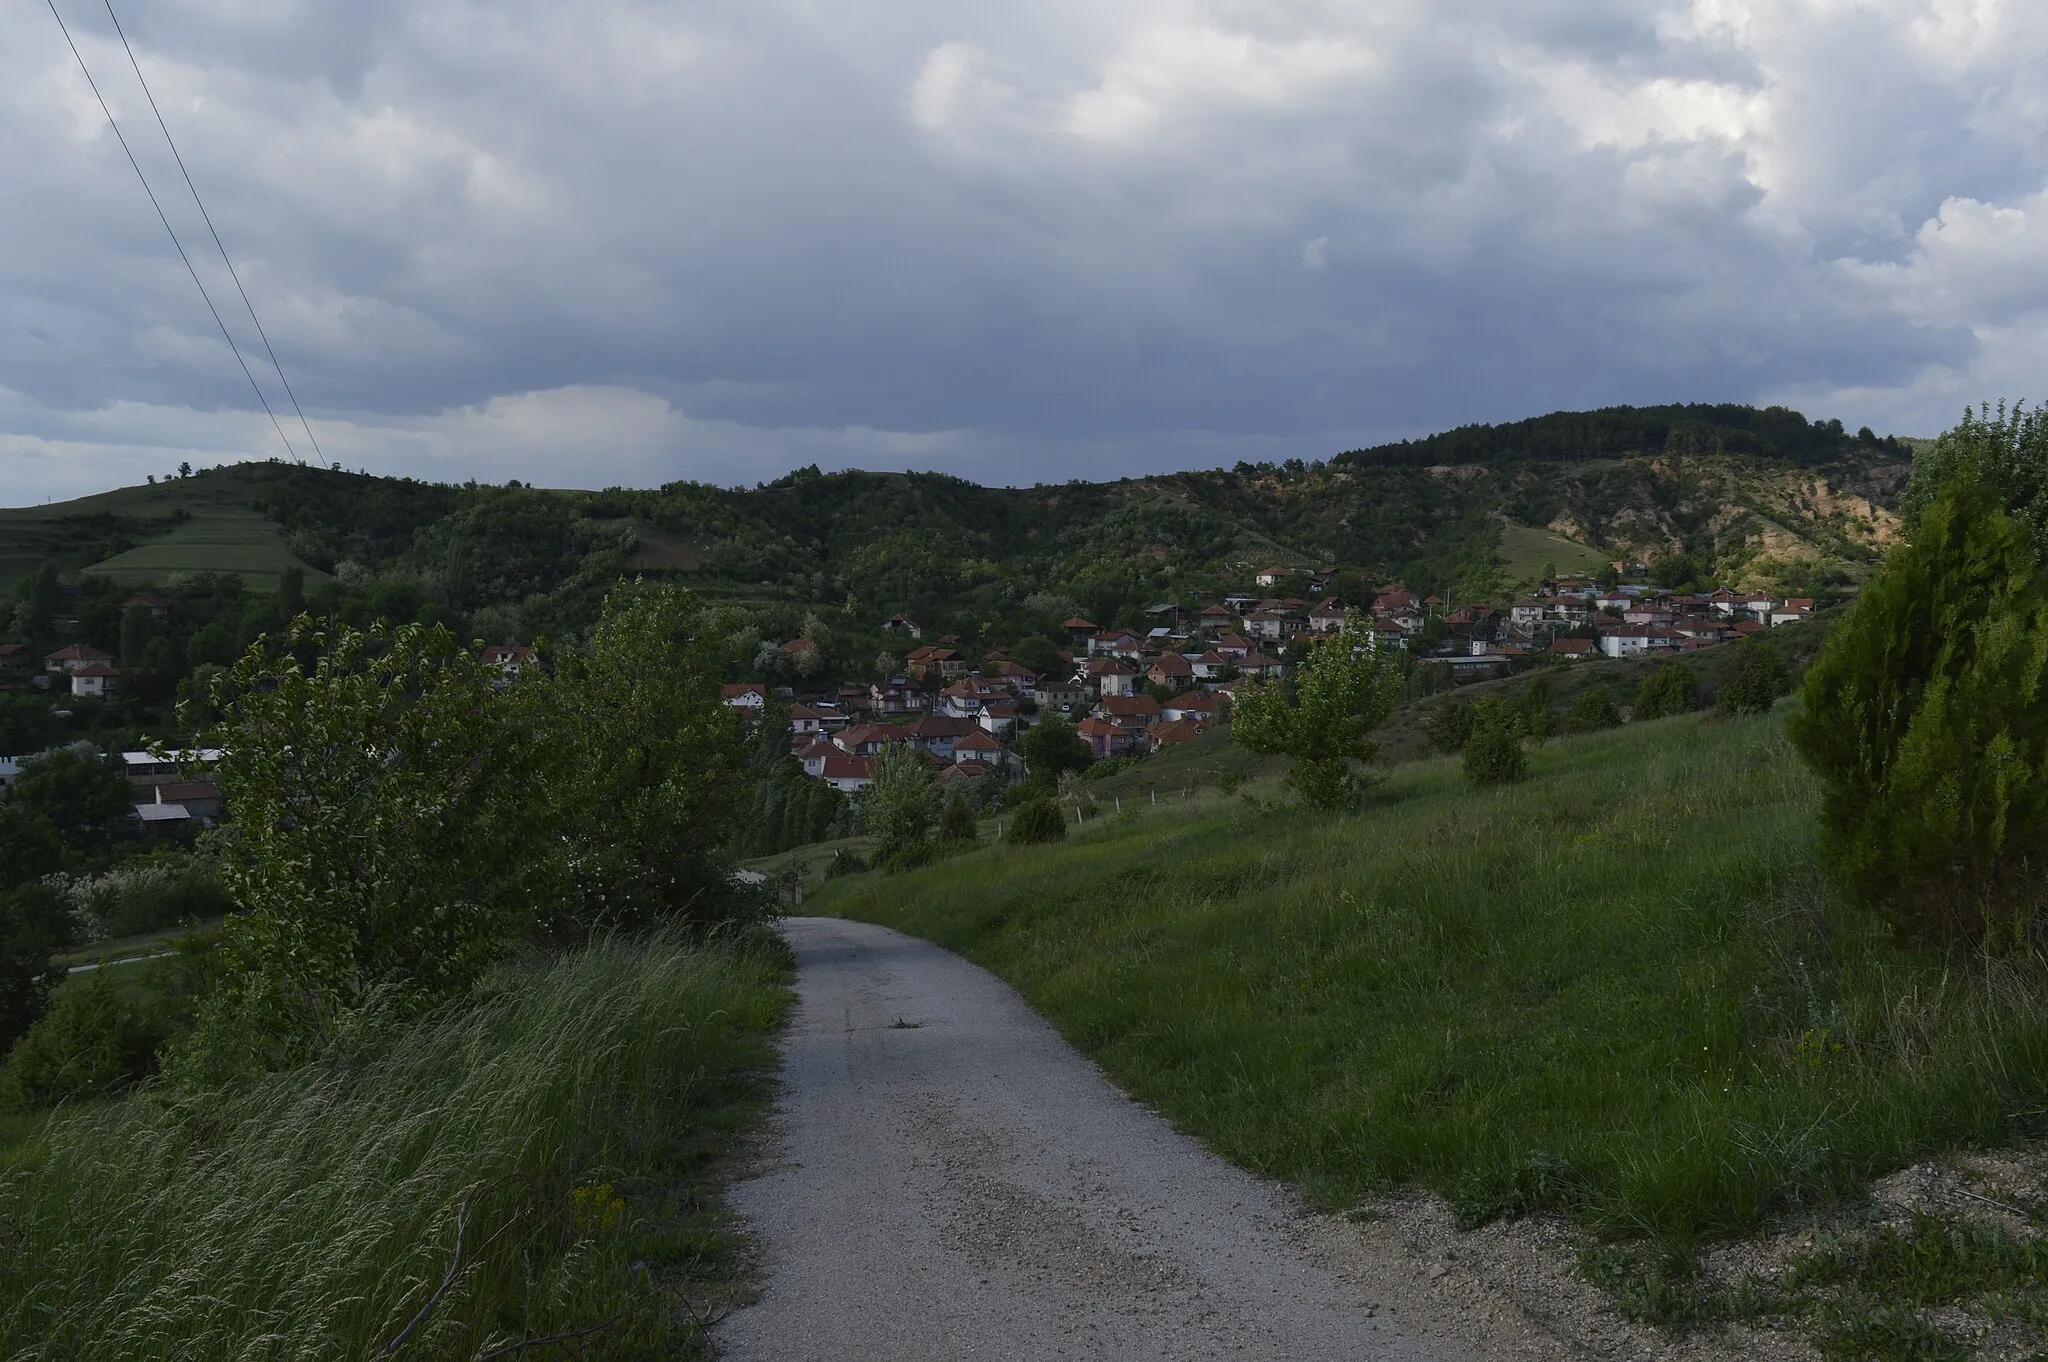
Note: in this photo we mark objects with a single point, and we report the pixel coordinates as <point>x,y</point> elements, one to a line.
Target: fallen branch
<point>447,1281</point>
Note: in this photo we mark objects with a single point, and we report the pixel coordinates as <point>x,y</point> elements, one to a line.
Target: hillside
<point>1753,499</point>
<point>1621,992</point>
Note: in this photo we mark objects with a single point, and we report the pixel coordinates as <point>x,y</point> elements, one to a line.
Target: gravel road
<point>954,1181</point>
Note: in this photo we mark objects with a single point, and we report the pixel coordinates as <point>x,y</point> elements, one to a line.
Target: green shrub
<point>1449,724</point>
<point>1229,780</point>
<point>1752,681</point>
<point>1669,689</point>
<point>844,863</point>
<point>1493,750</point>
<point>1593,708</point>
<point>1036,822</point>
<point>956,824</point>
<point>1926,718</point>
<point>1539,721</point>
<point>1108,766</point>
<point>91,1041</point>
<point>33,925</point>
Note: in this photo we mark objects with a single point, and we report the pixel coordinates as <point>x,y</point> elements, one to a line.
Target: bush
<point>956,824</point>
<point>899,807</point>
<point>844,863</point>
<point>27,939</point>
<point>1229,780</point>
<point>91,1040</point>
<point>1926,718</point>
<point>1449,724</point>
<point>1669,689</point>
<point>1593,708</point>
<point>1036,822</point>
<point>1539,721</point>
<point>1752,681</point>
<point>1108,766</point>
<point>1493,749</point>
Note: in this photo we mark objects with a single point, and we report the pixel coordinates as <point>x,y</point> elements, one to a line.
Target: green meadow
<point>1620,990</point>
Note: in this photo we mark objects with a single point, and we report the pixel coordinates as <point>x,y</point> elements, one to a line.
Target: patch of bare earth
<point>1514,1289</point>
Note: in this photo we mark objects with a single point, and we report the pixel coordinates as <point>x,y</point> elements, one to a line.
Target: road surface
<point>951,1180</point>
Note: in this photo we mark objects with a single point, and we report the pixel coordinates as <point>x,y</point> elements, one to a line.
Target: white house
<point>747,695</point>
<point>848,775</point>
<point>98,682</point>
<point>1632,640</point>
<point>1273,576</point>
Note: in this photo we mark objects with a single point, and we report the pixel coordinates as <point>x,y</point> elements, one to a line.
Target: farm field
<point>241,542</point>
<point>1524,549</point>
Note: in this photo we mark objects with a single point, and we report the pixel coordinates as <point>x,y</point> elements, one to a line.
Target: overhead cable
<point>161,217</point>
<point>232,274</point>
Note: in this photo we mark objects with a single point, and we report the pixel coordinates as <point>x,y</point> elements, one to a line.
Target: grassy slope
<point>224,534</point>
<point>313,1214</point>
<point>1620,988</point>
<point>1525,549</point>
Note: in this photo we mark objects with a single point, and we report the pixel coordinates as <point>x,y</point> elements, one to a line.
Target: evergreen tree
<point>1926,718</point>
<point>1753,680</point>
<point>1493,749</point>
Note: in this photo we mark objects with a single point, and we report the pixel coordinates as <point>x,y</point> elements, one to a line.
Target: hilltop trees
<point>1343,690</point>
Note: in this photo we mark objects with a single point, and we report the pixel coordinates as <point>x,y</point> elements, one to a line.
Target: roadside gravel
<point>954,1181</point>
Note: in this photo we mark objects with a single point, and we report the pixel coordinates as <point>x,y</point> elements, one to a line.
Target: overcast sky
<point>604,242</point>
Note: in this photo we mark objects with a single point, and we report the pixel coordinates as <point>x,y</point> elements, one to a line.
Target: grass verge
<point>539,1161</point>
<point>1620,990</point>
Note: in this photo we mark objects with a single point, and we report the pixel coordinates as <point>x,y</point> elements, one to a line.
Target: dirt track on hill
<point>954,1181</point>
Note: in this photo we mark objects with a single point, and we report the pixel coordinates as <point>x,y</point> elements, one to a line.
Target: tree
<point>1538,720</point>
<point>1036,821</point>
<point>2004,454</point>
<point>1926,718</point>
<point>1669,689</point>
<point>899,806</point>
<point>385,832</point>
<point>1593,707</point>
<point>957,823</point>
<point>29,846</point>
<point>137,630</point>
<point>1493,751</point>
<point>291,591</point>
<point>32,928</point>
<point>83,798</point>
<point>647,759</point>
<point>1449,724</point>
<point>185,469</point>
<point>1052,748</point>
<point>1345,689</point>
<point>1752,681</point>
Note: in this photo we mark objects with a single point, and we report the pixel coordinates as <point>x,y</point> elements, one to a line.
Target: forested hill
<point>1742,494</point>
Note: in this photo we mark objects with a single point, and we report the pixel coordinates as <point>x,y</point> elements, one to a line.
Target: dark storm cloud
<point>631,242</point>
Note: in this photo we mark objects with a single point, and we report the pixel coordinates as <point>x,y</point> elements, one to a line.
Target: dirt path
<point>954,1181</point>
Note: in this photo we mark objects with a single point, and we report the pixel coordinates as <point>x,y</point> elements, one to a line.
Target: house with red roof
<point>1106,739</point>
<point>74,657</point>
<point>95,682</point>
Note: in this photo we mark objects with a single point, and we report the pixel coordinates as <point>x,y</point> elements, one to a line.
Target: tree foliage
<point>1493,752</point>
<point>2003,451</point>
<point>1926,718</point>
<point>1343,690</point>
<point>1052,748</point>
<point>1670,688</point>
<point>1753,679</point>
<point>899,806</point>
<point>1036,821</point>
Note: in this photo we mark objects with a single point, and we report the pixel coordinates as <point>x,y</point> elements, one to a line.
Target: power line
<point>211,228</point>
<point>161,217</point>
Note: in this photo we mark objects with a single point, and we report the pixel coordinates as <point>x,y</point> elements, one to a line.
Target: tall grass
<point>1621,989</point>
<point>562,1128</point>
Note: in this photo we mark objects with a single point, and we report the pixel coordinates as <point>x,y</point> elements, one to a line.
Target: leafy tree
<point>1052,748</point>
<point>1493,751</point>
<point>138,630</point>
<point>33,926</point>
<point>81,796</point>
<point>385,832</point>
<point>957,823</point>
<point>1342,692</point>
<point>291,591</point>
<point>1926,718</point>
<point>1449,724</point>
<point>26,724</point>
<point>29,846</point>
<point>1593,707</point>
<point>1752,681</point>
<point>1036,821</point>
<point>899,806</point>
<point>647,757</point>
<point>1670,688</point>
<point>2004,453</point>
